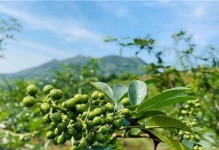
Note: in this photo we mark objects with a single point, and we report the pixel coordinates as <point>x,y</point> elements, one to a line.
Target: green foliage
<point>200,72</point>
<point>74,78</point>
<point>119,91</point>
<point>168,97</point>
<point>166,122</point>
<point>146,43</point>
<point>106,89</point>
<point>137,91</point>
<point>173,144</point>
<point>203,82</point>
<point>97,123</point>
<point>147,113</point>
<point>18,125</point>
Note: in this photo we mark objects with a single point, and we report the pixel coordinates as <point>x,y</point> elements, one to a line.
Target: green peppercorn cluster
<point>189,115</point>
<point>30,100</point>
<point>86,120</point>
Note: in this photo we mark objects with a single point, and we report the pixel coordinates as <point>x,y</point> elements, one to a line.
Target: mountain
<point>108,65</point>
<point>119,65</point>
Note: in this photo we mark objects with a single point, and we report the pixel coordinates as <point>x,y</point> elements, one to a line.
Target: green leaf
<point>132,108</point>
<point>170,101</point>
<point>119,106</point>
<point>147,113</point>
<point>125,122</point>
<point>152,80</point>
<point>162,97</point>
<point>188,143</point>
<point>173,144</point>
<point>166,122</point>
<point>119,91</point>
<point>209,136</point>
<point>174,100</point>
<point>206,145</point>
<point>106,89</point>
<point>137,91</point>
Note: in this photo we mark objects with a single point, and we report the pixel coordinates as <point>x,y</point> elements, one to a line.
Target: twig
<point>18,134</point>
<point>115,135</point>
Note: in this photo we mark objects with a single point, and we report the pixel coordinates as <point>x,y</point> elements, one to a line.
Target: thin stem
<point>215,101</point>
<point>18,134</point>
<point>72,141</point>
<point>88,112</point>
<point>130,127</point>
<point>80,120</point>
<point>45,98</point>
<point>39,101</point>
<point>70,125</point>
<point>115,135</point>
<point>115,106</point>
<point>57,107</point>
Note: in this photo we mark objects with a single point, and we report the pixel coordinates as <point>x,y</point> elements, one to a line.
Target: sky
<point>64,29</point>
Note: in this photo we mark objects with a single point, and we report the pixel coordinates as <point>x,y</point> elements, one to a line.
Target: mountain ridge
<point>108,64</point>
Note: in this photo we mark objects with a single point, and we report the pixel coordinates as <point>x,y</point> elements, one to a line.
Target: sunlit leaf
<point>166,122</point>
<point>106,89</point>
<point>162,97</point>
<point>137,91</point>
<point>170,101</point>
<point>119,91</point>
<point>173,144</point>
<point>147,113</point>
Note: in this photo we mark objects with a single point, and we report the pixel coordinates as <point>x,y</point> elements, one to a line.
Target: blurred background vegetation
<point>18,129</point>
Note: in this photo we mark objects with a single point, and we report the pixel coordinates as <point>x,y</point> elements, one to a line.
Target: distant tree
<point>7,30</point>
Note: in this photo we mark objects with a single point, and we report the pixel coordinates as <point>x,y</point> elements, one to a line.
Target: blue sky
<point>60,30</point>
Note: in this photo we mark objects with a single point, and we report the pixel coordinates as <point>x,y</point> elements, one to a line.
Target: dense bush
<point>95,121</point>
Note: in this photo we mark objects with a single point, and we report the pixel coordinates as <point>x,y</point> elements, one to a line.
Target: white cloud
<point>25,54</point>
<point>200,11</point>
<point>44,49</point>
<point>69,31</point>
<point>115,9</point>
<point>120,10</point>
<point>15,61</point>
<point>198,18</point>
<point>160,3</point>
